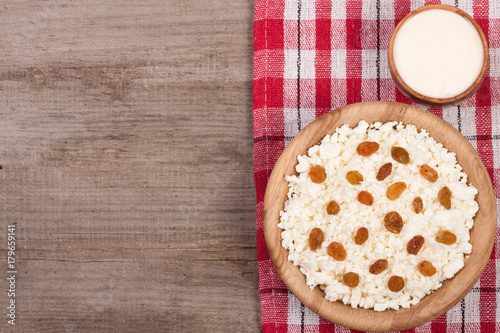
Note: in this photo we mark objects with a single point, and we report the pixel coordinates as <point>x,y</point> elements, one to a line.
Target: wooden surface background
<point>126,153</point>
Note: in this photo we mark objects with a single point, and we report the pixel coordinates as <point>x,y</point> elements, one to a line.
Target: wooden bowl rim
<point>431,306</point>
<point>431,100</point>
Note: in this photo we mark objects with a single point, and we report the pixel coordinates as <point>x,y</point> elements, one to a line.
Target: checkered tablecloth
<point>312,56</point>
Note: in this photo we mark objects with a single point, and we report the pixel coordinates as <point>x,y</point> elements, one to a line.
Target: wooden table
<point>126,153</point>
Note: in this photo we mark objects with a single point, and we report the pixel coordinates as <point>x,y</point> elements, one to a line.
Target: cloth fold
<point>312,56</point>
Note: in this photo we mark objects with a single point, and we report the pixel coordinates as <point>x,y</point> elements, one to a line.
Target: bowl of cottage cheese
<point>379,216</point>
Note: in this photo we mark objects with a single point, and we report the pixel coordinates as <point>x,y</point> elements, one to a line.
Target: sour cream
<point>438,53</point>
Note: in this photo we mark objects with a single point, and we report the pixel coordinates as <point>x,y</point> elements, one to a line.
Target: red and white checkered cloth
<point>312,56</point>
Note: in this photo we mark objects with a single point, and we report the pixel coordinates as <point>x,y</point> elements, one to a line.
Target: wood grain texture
<point>482,234</point>
<point>126,153</point>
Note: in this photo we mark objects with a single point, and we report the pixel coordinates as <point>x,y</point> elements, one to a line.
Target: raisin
<point>350,279</point>
<point>316,238</point>
<point>336,251</point>
<point>400,155</point>
<point>395,190</point>
<point>444,197</point>
<point>428,173</point>
<point>418,205</point>
<point>317,174</point>
<point>384,171</point>
<point>354,177</point>
<point>426,268</point>
<point>361,236</point>
<point>365,198</point>
<point>396,283</point>
<point>393,222</point>
<point>378,266</point>
<point>415,244</point>
<point>332,208</point>
<point>367,148</point>
<point>446,237</point>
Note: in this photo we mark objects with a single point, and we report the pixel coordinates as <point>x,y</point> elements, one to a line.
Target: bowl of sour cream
<point>438,55</point>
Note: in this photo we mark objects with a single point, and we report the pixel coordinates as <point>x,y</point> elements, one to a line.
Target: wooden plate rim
<point>430,307</point>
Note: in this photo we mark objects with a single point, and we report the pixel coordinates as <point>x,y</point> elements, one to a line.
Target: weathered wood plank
<point>126,153</point>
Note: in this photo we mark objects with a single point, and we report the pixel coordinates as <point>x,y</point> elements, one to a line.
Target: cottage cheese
<point>305,210</point>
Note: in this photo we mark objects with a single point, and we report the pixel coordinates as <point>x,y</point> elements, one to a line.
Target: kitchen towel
<point>312,56</point>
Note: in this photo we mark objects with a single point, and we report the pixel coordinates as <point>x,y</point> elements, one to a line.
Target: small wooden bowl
<point>431,306</point>
<point>422,99</point>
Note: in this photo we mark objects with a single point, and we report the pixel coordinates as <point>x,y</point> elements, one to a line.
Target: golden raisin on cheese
<point>366,148</point>
<point>415,244</point>
<point>384,171</point>
<point>395,190</point>
<point>393,222</point>
<point>426,268</point>
<point>444,197</point>
<point>418,205</point>
<point>400,155</point>
<point>336,251</point>
<point>317,174</point>
<point>332,208</point>
<point>428,173</point>
<point>378,266</point>
<point>354,177</point>
<point>316,238</point>
<point>361,236</point>
<point>365,198</point>
<point>446,237</point>
<point>396,283</point>
<point>350,279</point>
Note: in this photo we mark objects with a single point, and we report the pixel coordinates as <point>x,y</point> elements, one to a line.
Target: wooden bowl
<point>422,99</point>
<point>431,306</point>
